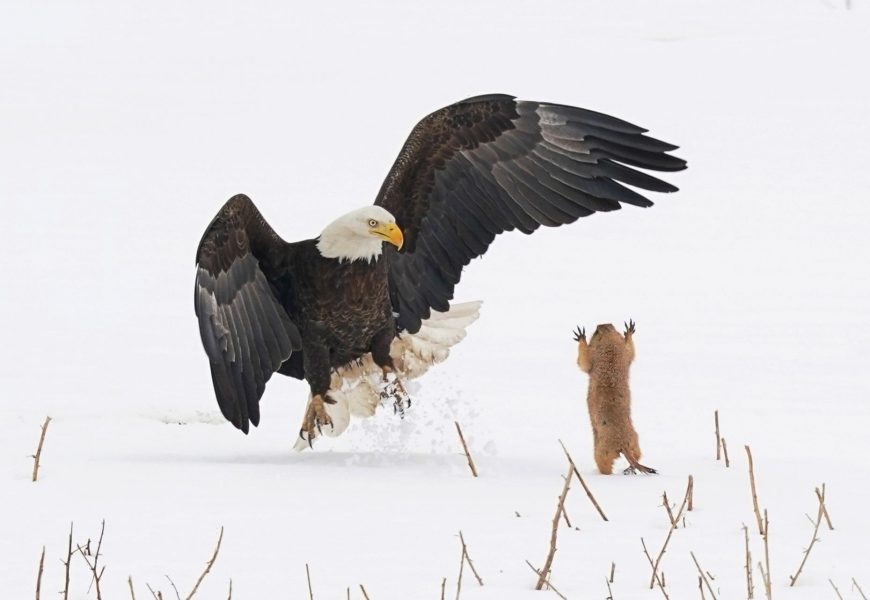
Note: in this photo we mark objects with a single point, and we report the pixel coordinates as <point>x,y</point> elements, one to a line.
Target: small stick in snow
<point>468,559</point>
<point>609,591</point>
<point>36,456</point>
<point>691,495</point>
<point>750,587</point>
<point>812,541</point>
<point>461,567</point>
<point>718,437</point>
<point>858,587</point>
<point>659,580</point>
<point>66,564</point>
<point>39,573</point>
<point>465,447</point>
<point>230,594</point>
<point>208,566</point>
<point>583,482</point>
<point>548,563</point>
<point>652,579</point>
<point>364,592</point>
<point>547,581</point>
<point>612,571</point>
<point>725,453</point>
<point>130,583</point>
<point>308,577</point>
<point>839,595</point>
<point>157,596</point>
<point>443,585</point>
<point>172,583</point>
<point>703,576</point>
<point>754,493</point>
<point>95,565</point>
<point>667,505</point>
<point>763,579</point>
<point>768,591</point>
<point>821,497</point>
<point>701,587</point>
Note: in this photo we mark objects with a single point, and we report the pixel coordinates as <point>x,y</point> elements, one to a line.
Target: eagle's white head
<point>359,235</point>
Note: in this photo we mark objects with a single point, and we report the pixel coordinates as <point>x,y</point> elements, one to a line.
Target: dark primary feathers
<point>245,331</point>
<point>491,164</point>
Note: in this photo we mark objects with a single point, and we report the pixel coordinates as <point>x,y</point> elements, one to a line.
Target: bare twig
<point>768,590</point>
<point>172,583</point>
<point>443,585</point>
<point>583,483</point>
<point>858,587</point>
<point>97,575</point>
<point>468,559</point>
<point>718,437</point>
<point>725,453</point>
<point>39,573</point>
<point>364,592</point>
<point>230,594</point>
<point>754,493</point>
<point>548,563</point>
<point>839,595</point>
<point>547,581</point>
<point>208,565</point>
<point>821,496</point>
<point>465,447</point>
<point>36,456</point>
<point>701,587</point>
<point>750,587</point>
<point>703,576</point>
<point>612,571</point>
<point>659,580</point>
<point>156,595</point>
<point>667,505</point>
<point>130,583</point>
<point>66,563</point>
<point>691,494</point>
<point>652,580</point>
<point>813,541</point>
<point>609,591</point>
<point>308,577</point>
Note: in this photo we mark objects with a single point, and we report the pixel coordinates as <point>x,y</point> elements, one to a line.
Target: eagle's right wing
<point>245,331</point>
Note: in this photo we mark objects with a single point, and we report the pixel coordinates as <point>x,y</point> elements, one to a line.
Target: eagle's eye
<point>372,223</point>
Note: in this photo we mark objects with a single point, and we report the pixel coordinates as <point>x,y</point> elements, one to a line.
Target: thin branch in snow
<point>701,587</point>
<point>725,453</point>
<point>443,585</point>
<point>839,595</point>
<point>750,587</point>
<point>609,591</point>
<point>308,577</point>
<point>655,566</point>
<point>612,571</point>
<point>754,493</point>
<point>703,576</point>
<point>95,565</point>
<point>66,563</point>
<point>465,447</point>
<point>691,494</point>
<point>718,437</point>
<point>230,595</point>
<point>821,496</point>
<point>39,573</point>
<point>130,583</point>
<point>468,559</point>
<point>547,581</point>
<point>38,454</point>
<point>364,592</point>
<point>659,580</point>
<point>583,482</point>
<point>459,578</point>
<point>548,563</point>
<point>208,565</point>
<point>667,506</point>
<point>768,590</point>
<point>858,587</point>
<point>172,583</point>
<point>157,595</point>
<point>813,541</point>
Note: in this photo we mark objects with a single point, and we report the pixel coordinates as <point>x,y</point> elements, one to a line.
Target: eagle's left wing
<point>491,164</point>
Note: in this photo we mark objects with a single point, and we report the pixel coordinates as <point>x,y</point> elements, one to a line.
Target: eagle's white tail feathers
<point>355,386</point>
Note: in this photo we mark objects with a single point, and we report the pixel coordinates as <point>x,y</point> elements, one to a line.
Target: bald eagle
<point>373,290</point>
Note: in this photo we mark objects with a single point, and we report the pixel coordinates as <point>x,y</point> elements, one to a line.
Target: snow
<point>124,129</point>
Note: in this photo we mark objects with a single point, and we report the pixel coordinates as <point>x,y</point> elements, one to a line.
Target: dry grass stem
<point>459,578</point>
<point>821,496</point>
<point>858,587</point>
<point>443,585</point>
<point>754,492</point>
<point>157,595</point>
<point>583,482</point>
<point>725,453</point>
<point>38,454</point>
<point>768,590</point>
<point>612,571</point>
<point>609,591</point>
<point>545,571</point>
<point>465,448</point>
<point>750,587</point>
<point>208,565</point>
<point>652,580</point>
<point>839,595</point>
<point>659,580</point>
<point>718,437</point>
<point>813,541</point>
<point>66,563</point>
<point>468,559</point>
<point>703,576</point>
<point>130,583</point>
<point>39,573</point>
<point>667,505</point>
<point>691,502</point>
<point>230,594</point>
<point>365,595</point>
<point>308,577</point>
<point>96,572</point>
<point>547,581</point>
<point>172,583</point>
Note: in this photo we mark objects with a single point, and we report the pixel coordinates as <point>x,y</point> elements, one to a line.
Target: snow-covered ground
<point>124,129</point>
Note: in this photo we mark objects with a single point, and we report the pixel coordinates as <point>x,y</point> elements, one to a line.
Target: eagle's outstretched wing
<point>491,164</point>
<point>245,331</point>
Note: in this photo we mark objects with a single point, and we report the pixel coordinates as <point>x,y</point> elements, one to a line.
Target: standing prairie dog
<point>607,358</point>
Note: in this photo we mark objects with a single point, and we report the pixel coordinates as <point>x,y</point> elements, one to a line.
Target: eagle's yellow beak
<point>389,232</point>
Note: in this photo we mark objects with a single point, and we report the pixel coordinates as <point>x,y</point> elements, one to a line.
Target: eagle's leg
<point>316,417</point>
<point>317,372</point>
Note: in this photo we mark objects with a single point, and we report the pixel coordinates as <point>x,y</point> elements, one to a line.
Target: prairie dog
<point>607,358</point>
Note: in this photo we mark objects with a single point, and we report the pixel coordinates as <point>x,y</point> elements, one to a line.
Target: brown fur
<point>607,358</point>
